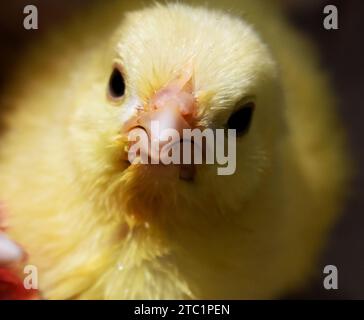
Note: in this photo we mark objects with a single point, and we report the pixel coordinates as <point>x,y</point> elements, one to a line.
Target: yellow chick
<point>98,227</point>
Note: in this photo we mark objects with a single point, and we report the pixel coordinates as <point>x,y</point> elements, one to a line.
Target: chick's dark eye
<point>116,84</point>
<point>240,120</point>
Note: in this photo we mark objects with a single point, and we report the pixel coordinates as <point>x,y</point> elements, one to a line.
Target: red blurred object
<point>12,287</point>
<point>11,283</point>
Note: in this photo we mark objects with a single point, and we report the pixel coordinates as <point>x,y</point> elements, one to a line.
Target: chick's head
<point>226,77</point>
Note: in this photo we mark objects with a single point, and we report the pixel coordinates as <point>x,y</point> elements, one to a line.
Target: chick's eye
<point>116,85</point>
<point>240,120</point>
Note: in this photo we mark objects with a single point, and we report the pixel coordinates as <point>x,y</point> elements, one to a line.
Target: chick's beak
<point>172,107</point>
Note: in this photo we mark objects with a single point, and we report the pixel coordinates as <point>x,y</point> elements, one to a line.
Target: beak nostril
<point>187,172</point>
<point>139,127</point>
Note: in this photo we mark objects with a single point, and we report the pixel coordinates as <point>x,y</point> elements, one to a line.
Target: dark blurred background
<point>342,55</point>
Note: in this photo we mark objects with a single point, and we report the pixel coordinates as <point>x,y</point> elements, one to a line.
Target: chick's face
<point>218,74</point>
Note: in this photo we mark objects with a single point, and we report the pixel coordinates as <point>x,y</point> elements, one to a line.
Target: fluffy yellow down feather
<point>254,234</point>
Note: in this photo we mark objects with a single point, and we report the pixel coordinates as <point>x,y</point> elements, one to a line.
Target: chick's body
<point>72,201</point>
